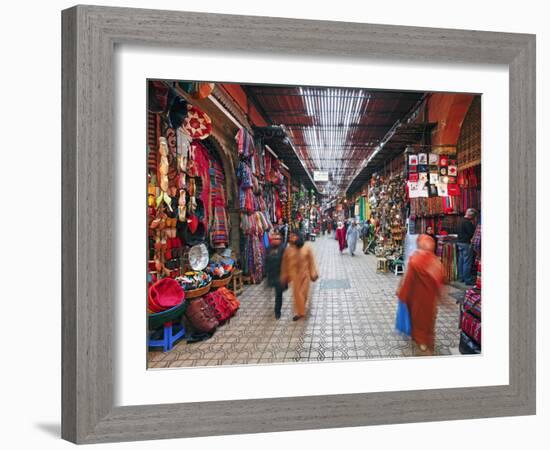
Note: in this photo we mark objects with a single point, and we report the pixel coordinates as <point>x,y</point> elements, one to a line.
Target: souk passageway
<point>234,168</point>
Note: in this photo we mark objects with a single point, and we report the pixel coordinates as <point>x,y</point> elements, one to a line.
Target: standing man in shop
<point>282,227</point>
<point>466,229</point>
<point>430,232</point>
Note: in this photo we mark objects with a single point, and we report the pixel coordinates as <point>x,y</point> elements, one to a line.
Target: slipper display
<point>192,280</point>
<point>163,165</point>
<point>182,206</point>
<point>190,238</point>
<point>170,136</point>
<point>221,267</point>
<point>183,143</point>
<point>193,223</point>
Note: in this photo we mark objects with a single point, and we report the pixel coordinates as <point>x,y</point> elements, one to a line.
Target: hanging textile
<point>219,227</point>
<point>201,162</point>
<point>470,188</point>
<point>447,252</point>
<point>257,205</point>
<point>245,143</point>
<point>364,208</point>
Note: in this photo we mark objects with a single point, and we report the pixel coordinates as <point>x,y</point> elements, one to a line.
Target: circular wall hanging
<point>197,123</point>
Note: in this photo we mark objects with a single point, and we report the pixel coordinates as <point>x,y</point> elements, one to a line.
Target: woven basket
<point>222,281</point>
<point>194,293</point>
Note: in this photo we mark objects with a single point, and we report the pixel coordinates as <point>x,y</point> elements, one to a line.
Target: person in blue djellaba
<point>274,258</point>
<point>351,237</point>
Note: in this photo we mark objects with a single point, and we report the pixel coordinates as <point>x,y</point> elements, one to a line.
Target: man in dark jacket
<point>466,229</point>
<point>365,235</point>
<point>282,228</point>
<point>274,258</point>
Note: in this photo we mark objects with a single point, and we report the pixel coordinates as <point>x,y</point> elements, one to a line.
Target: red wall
<point>237,93</point>
<point>448,110</point>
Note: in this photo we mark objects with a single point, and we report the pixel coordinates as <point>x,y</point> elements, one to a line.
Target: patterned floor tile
<point>351,316</point>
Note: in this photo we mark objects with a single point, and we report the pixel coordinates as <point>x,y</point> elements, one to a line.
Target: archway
<point>227,160</point>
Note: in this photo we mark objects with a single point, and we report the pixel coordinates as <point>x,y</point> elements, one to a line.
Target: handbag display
<point>201,316</point>
<point>230,298</point>
<point>221,308</point>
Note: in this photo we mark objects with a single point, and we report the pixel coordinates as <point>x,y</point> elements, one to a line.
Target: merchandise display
<point>254,221</point>
<point>198,257</point>
<point>262,196</point>
<point>447,252</point>
<point>450,193</point>
<point>219,223</point>
<point>165,294</point>
<point>193,280</point>
<point>470,322</point>
<point>186,198</point>
<point>220,267</point>
<point>387,198</point>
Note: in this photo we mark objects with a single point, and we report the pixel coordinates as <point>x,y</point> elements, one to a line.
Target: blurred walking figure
<point>365,235</point>
<point>341,236</point>
<point>298,269</point>
<point>351,236</point>
<point>274,258</point>
<point>420,289</point>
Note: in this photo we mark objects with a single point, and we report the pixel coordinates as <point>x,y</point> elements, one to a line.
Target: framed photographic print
<point>244,210</point>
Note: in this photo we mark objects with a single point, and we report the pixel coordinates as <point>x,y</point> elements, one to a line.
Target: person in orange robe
<point>420,289</point>
<point>299,269</point>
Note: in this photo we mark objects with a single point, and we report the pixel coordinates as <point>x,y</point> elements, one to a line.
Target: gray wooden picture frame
<point>90,34</point>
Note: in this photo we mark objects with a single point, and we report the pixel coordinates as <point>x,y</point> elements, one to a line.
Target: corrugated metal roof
<point>334,129</point>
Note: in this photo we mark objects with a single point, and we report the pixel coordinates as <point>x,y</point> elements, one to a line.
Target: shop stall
<point>187,220</point>
<point>439,195</point>
<point>387,203</point>
<point>254,215</point>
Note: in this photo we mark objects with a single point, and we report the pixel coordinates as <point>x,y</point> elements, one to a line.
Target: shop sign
<point>320,175</point>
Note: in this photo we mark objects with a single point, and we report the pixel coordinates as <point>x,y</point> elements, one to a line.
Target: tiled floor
<point>351,316</point>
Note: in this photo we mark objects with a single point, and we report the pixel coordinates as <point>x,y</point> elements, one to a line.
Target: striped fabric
<point>219,227</point>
